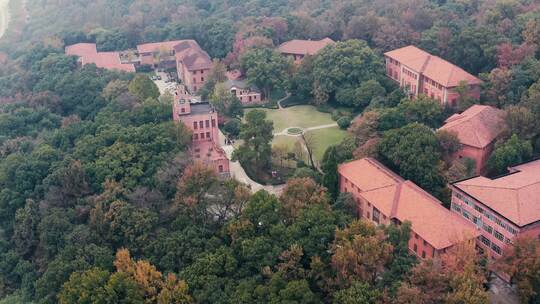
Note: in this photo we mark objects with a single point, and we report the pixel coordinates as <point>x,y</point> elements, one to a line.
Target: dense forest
<point>100,203</point>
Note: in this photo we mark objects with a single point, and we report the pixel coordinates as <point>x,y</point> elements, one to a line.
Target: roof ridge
<point>385,169</point>
<point>395,202</point>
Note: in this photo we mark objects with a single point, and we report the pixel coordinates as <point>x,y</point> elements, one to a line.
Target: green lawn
<point>304,116</point>
<point>324,138</point>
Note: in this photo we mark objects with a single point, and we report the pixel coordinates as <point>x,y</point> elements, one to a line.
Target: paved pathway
<point>279,101</point>
<point>238,173</point>
<point>284,132</point>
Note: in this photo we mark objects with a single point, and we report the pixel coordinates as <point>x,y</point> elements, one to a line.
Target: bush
<point>146,68</point>
<point>344,122</point>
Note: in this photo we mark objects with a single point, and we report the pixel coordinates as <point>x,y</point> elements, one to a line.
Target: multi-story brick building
<point>192,63</point>
<point>383,197</point>
<point>87,54</point>
<point>477,129</point>
<point>422,73</point>
<point>298,49</point>
<point>502,208</point>
<point>202,119</point>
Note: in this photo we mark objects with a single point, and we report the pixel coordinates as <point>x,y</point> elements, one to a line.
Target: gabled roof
<point>192,56</point>
<point>87,52</point>
<point>478,126</point>
<point>304,47</point>
<point>403,200</point>
<point>157,46</point>
<point>515,196</point>
<point>434,67</point>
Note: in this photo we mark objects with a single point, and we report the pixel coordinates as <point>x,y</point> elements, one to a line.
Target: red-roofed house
<point>477,128</point>
<point>87,53</point>
<point>503,208</point>
<point>422,73</point>
<point>385,198</point>
<point>298,49</point>
<point>202,120</point>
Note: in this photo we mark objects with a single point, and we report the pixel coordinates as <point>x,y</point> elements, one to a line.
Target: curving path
<point>238,173</point>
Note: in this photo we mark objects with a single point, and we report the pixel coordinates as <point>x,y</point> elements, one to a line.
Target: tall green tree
<point>266,69</point>
<point>143,87</point>
<point>256,132</point>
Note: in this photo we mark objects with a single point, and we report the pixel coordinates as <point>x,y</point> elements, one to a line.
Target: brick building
<point>477,129</point>
<point>88,54</point>
<point>383,197</point>
<point>202,119</point>
<point>502,208</point>
<point>192,63</point>
<point>422,73</point>
<point>298,49</point>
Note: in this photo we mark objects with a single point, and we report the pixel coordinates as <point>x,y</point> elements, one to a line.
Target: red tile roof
<point>405,201</point>
<point>192,55</point>
<point>157,46</point>
<point>87,52</point>
<point>434,67</point>
<point>515,196</point>
<point>478,126</point>
<point>304,47</point>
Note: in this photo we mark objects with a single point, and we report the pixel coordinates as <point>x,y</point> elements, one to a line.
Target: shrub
<point>232,127</point>
<point>344,122</point>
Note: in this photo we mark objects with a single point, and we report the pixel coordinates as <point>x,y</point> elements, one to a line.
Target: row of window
<point>196,136</point>
<point>201,124</point>
<point>433,83</point>
<point>195,72</point>
<point>392,61</point>
<point>487,214</point>
<point>491,245</point>
<point>410,74</point>
<point>195,79</point>
<point>480,224</point>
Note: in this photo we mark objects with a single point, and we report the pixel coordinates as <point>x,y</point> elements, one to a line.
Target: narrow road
<point>282,99</point>
<point>4,16</point>
<point>238,173</point>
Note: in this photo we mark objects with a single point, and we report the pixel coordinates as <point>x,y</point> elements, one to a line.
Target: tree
<point>511,152</point>
<point>357,293</point>
<point>413,151</point>
<point>309,141</point>
<point>300,193</point>
<point>225,102</point>
<point>143,88</point>
<point>333,156</point>
<point>85,287</point>
<point>521,262</point>
<point>194,184</point>
<point>343,66</point>
<point>266,69</point>
<point>256,133</point>
<point>448,144</point>
<point>522,122</point>
<point>359,252</point>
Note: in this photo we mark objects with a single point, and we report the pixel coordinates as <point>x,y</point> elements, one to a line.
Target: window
<point>202,135</point>
<point>183,110</point>
<point>376,215</point>
<point>368,215</point>
<point>416,236</point>
<point>485,240</point>
<point>207,123</point>
<point>477,208</point>
<point>195,136</point>
<point>201,124</point>
<point>466,215</point>
<point>194,79</point>
<point>496,248</point>
<point>415,248</point>
<point>220,168</point>
<point>423,254</point>
<point>488,228</point>
<point>195,125</point>
<point>456,207</point>
<point>213,122</point>
<point>207,134</point>
<point>425,243</point>
<point>202,78</point>
<point>498,235</point>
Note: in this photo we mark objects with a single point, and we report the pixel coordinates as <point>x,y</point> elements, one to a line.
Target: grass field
<point>304,116</point>
<point>324,138</point>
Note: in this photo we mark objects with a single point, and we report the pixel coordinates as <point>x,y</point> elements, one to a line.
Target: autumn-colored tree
<point>359,252</point>
<point>300,193</point>
<point>521,261</point>
<point>194,183</point>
